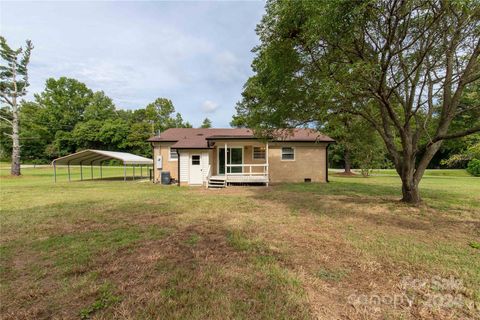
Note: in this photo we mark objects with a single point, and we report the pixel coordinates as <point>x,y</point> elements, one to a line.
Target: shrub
<point>474,167</point>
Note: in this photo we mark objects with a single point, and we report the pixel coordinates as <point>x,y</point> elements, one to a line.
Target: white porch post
<point>266,157</point>
<point>225,158</point>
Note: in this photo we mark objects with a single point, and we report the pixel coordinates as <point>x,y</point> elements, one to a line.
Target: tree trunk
<point>15,169</point>
<point>348,161</point>
<point>410,191</point>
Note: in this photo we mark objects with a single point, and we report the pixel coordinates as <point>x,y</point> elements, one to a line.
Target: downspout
<point>153,166</point>
<point>326,162</point>
<point>178,169</point>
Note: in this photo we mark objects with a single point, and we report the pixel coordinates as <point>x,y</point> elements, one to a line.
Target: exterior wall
<point>163,149</point>
<point>309,163</point>
<point>184,172</point>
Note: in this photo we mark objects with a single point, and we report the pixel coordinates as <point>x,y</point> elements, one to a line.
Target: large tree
<point>357,144</point>
<point>60,107</point>
<point>13,85</point>
<point>402,65</point>
<point>160,114</point>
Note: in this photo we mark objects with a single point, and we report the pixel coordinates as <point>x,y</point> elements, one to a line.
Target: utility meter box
<point>159,163</point>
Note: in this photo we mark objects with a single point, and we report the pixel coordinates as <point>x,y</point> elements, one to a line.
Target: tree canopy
<point>403,66</point>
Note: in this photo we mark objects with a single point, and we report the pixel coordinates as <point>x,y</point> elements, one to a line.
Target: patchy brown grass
<point>114,250</point>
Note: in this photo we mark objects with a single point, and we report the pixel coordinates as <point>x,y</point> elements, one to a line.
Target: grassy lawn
<point>135,250</point>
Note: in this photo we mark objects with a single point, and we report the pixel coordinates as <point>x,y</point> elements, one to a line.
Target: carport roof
<point>96,156</point>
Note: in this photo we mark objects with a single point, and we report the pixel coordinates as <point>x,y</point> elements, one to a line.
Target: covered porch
<point>238,162</point>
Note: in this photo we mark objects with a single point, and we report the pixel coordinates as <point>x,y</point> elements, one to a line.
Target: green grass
<point>111,249</point>
<point>428,173</point>
<point>331,274</point>
<point>439,191</point>
<point>105,299</point>
<point>74,252</point>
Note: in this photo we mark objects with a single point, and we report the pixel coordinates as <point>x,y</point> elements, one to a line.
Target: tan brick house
<point>198,157</point>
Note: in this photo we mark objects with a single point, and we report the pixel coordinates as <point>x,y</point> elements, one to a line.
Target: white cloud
<point>209,106</point>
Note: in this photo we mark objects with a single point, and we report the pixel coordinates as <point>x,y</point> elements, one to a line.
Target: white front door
<point>195,171</point>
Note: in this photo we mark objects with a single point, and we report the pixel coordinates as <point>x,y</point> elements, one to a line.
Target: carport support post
<point>81,171</point>
<point>101,176</point>
<point>141,171</point>
<point>133,172</point>
<point>55,171</point>
<point>124,172</point>
<point>68,166</point>
<point>91,171</point>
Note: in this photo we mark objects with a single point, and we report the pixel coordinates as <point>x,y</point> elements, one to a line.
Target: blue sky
<point>197,54</point>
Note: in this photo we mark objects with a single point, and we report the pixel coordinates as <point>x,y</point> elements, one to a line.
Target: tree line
<point>67,116</point>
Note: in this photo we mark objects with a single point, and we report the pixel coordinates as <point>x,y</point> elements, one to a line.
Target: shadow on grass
<point>364,190</point>
<point>376,203</point>
<point>343,188</point>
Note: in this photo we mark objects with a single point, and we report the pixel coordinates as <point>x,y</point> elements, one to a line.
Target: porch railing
<point>249,171</point>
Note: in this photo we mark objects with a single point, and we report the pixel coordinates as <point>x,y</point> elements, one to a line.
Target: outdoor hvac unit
<point>165,177</point>
<point>159,163</point>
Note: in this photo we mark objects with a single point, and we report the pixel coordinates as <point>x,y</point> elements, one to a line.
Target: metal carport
<point>91,157</point>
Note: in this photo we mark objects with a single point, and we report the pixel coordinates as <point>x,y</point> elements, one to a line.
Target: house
<point>218,157</point>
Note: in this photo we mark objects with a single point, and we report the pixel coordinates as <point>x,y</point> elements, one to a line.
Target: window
<point>195,160</point>
<point>258,153</point>
<point>288,153</point>
<point>173,154</point>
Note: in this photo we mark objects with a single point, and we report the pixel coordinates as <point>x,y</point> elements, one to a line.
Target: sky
<point>198,54</point>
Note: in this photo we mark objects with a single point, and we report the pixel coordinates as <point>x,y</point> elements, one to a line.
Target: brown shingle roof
<point>198,138</point>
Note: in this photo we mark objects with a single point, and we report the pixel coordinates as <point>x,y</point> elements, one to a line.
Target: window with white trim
<point>288,153</point>
<point>258,153</point>
<point>173,154</point>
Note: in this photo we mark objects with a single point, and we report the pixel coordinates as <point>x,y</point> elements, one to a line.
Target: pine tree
<point>13,85</point>
<point>207,123</point>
